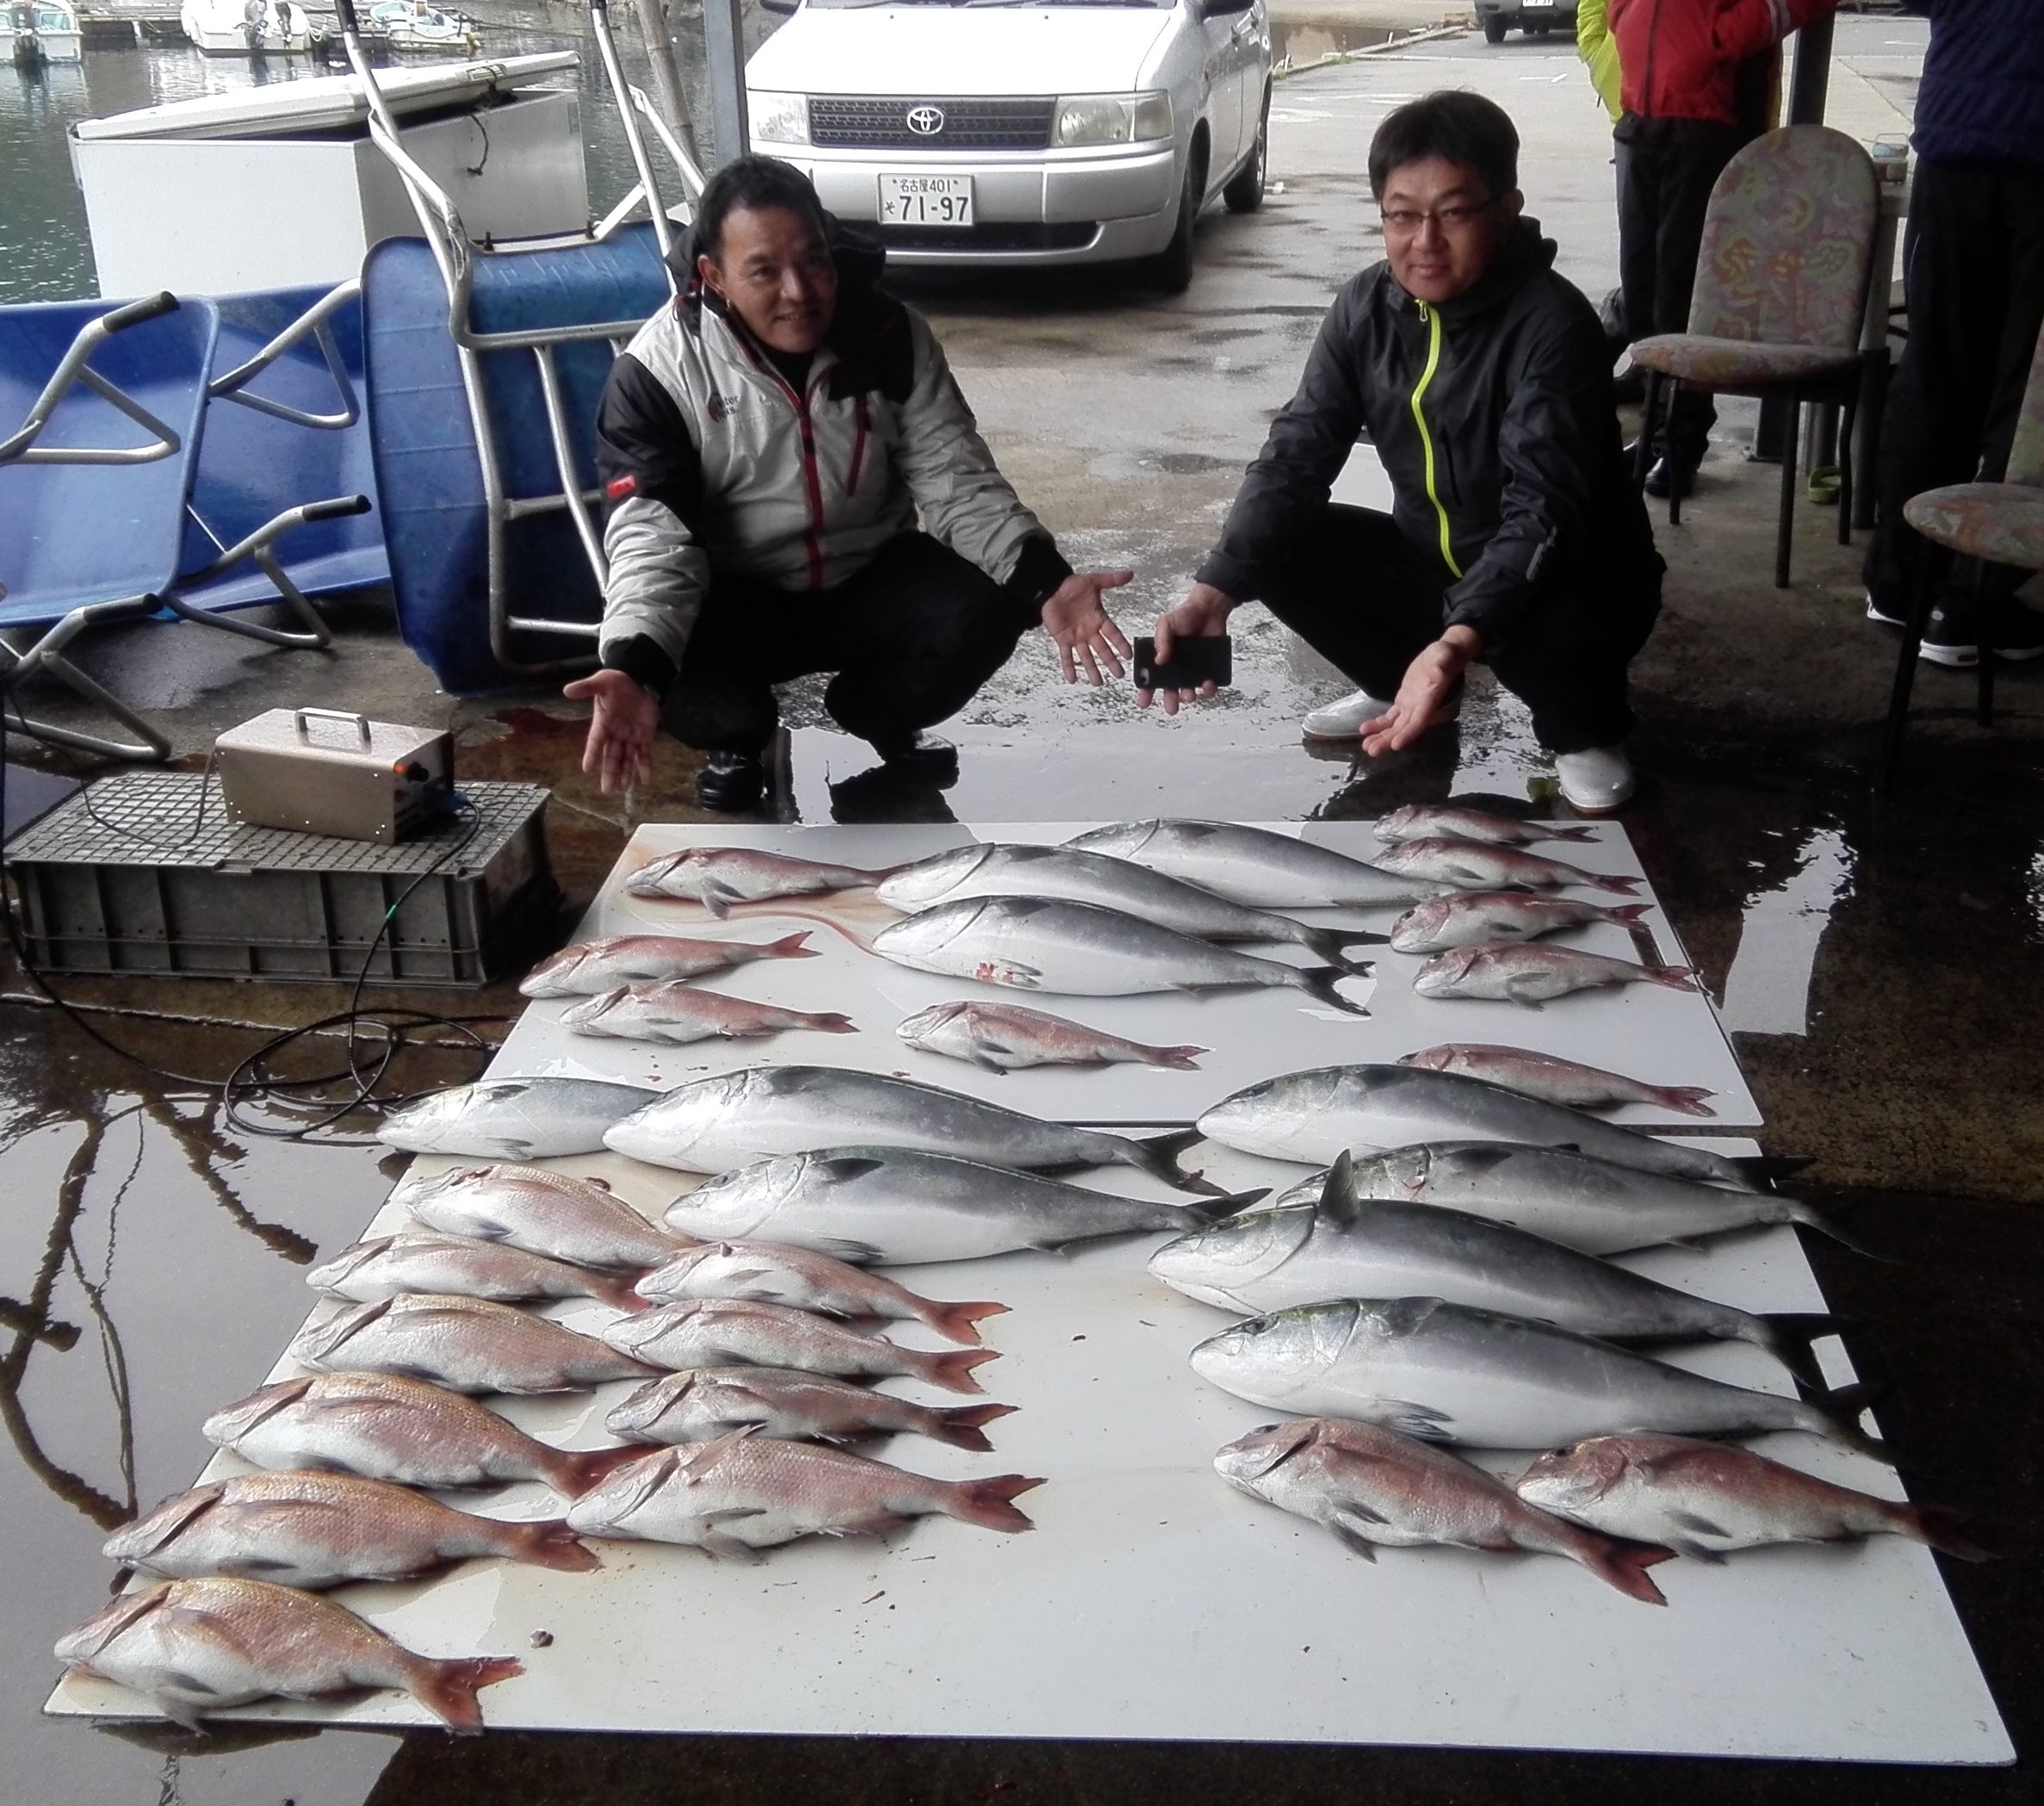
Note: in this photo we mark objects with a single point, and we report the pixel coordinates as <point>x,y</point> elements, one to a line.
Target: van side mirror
<point>778,6</point>
<point>1220,9</point>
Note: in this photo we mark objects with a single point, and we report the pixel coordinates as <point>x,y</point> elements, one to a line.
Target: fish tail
<point>988,1503</point>
<point>963,1426</point>
<point>1686,1099</point>
<point>1558,831</point>
<point>1786,1335</point>
<point>1624,1565</point>
<point>1811,1218</point>
<point>791,946</point>
<point>1180,1059</point>
<point>830,1022</point>
<point>1628,912</point>
<point>1222,1206</point>
<point>1675,977</point>
<point>1157,1155</point>
<point>952,1370</point>
<point>1939,1526</point>
<point>959,1321</point>
<point>1763,1172</point>
<point>1836,1415</point>
<point>1321,981</point>
<point>618,1293</point>
<point>548,1543</point>
<point>447,1689</point>
<point>1619,886</point>
<point>1331,945</point>
<point>576,1471</point>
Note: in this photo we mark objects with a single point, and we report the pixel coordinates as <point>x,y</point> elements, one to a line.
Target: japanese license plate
<point>925,201</point>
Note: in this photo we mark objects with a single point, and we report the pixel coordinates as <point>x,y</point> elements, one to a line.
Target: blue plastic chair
<point>95,487</point>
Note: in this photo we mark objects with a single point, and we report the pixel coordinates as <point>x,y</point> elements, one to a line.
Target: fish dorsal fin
<point>1338,1202</point>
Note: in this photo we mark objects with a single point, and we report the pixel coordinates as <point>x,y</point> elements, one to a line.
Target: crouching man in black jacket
<point>1484,381</point>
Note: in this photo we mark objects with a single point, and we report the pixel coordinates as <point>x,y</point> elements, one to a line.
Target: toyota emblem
<point>926,121</point>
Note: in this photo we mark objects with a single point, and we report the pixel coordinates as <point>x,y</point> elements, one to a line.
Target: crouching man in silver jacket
<point>766,445</point>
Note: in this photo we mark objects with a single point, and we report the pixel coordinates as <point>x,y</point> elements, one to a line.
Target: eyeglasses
<point>1405,221</point>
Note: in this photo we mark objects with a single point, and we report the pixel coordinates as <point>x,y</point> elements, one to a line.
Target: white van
<point>1021,131</point>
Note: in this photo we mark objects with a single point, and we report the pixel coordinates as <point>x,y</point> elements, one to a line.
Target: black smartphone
<point>1196,660</point>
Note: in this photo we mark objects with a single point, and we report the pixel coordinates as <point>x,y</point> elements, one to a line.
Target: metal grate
<point>973,122</point>
<point>994,235</point>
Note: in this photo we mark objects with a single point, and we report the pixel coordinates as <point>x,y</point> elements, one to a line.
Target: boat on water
<point>415,25</point>
<point>35,32</point>
<point>248,27</point>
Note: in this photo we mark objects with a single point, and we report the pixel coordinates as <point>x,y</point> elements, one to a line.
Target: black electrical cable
<point>393,1027</point>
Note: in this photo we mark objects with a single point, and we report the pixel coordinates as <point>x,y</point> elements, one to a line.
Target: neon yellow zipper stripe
<point>1433,320</point>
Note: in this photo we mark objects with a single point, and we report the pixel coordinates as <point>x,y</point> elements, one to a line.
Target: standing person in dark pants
<point>766,445</point>
<point>1689,104</point>
<point>1484,381</point>
<point>1974,274</point>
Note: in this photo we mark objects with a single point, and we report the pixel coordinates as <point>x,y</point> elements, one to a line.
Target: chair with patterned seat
<point>1990,523</point>
<point>1780,294</point>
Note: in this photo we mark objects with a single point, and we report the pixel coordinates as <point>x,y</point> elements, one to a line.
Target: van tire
<point>1171,270</point>
<point>1494,27</point>
<point>1244,192</point>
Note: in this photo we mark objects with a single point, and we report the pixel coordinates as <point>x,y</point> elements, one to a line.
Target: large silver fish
<point>1317,1114</point>
<point>717,877</point>
<point>326,1529</point>
<point>1594,1206</point>
<point>390,1426</point>
<point>1372,1486</point>
<point>588,968</point>
<point>1345,1246</point>
<point>1449,821</point>
<point>898,1207</point>
<point>456,1266</point>
<point>465,1344</point>
<point>1073,874</point>
<point>580,1221</point>
<point>704,1403</point>
<point>1555,1080</point>
<point>770,1272</point>
<point>1708,1500</point>
<point>1472,918</point>
<point>1082,950</point>
<point>1001,1037</point>
<point>513,1119</point>
<point>730,1331</point>
<point>1474,865</point>
<point>716,1125</point>
<point>1509,972</point>
<point>672,1011</point>
<point>744,1493</point>
<point>1255,866</point>
<point>196,1646</point>
<point>1448,1374</point>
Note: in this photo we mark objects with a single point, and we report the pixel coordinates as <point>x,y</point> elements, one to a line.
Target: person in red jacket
<point>1687,99</point>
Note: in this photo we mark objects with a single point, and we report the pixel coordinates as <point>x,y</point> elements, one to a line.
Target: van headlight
<point>778,118</point>
<point>1083,119</point>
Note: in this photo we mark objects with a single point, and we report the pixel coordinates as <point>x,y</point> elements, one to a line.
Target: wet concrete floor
<point>1879,969</point>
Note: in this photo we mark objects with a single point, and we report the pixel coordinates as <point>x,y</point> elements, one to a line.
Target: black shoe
<point>730,782</point>
<point>2018,637</point>
<point>921,758</point>
<point>1666,474</point>
<point>1888,616</point>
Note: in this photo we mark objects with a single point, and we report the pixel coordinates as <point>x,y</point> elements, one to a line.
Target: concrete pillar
<point>724,51</point>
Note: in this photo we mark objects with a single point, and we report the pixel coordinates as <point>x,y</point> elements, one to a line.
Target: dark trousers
<point>910,636</point>
<point>1973,273</point>
<point>1665,170</point>
<point>1364,596</point>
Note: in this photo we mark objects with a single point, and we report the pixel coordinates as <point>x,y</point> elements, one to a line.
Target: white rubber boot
<point>1595,782</point>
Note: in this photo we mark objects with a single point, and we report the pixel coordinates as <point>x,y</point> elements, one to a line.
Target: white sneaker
<point>1343,720</point>
<point>1595,782</point>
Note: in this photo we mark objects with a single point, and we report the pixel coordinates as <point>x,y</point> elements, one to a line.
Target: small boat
<point>247,27</point>
<point>35,32</point>
<point>416,24</point>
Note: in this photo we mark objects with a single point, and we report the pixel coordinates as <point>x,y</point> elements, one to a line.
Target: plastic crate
<point>145,873</point>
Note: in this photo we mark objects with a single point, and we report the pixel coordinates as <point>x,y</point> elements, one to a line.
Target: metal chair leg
<point>1984,631</point>
<point>1852,409</point>
<point>1643,447</point>
<point>1675,488</point>
<point>1906,672</point>
<point>1784,527</point>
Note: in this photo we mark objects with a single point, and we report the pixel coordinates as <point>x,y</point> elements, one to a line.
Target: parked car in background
<point>1535,17</point>
<point>1042,133</point>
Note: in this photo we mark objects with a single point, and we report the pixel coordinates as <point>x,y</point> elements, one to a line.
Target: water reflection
<point>1767,989</point>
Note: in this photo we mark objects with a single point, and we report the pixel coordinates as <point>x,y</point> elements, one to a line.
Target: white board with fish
<point>1648,1032</point>
<point>1152,1601</point>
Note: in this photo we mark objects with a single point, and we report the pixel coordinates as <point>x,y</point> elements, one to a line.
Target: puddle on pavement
<point>1767,989</point>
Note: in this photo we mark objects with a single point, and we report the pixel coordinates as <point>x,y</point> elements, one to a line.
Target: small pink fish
<point>590,967</point>
<point>1475,866</point>
<point>1468,917</point>
<point>717,877</point>
<point>720,1331</point>
<point>1555,1080</point>
<point>1001,1037</point>
<point>765,1273</point>
<point>681,1013</point>
<point>1511,972</point>
<point>1422,820</point>
<point>1708,1500</point>
<point>706,1402</point>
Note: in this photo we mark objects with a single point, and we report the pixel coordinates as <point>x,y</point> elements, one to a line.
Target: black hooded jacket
<point>1495,418</point>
